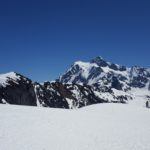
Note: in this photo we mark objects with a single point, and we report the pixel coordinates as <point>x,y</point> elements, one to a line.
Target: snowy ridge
<point>4,78</point>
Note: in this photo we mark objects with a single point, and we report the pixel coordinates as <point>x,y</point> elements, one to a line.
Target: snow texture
<point>103,126</point>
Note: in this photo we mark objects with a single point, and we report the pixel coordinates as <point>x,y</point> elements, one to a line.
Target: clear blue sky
<point>41,39</point>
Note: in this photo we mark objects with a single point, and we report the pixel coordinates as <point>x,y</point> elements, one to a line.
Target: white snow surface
<point>96,127</point>
<point>139,96</point>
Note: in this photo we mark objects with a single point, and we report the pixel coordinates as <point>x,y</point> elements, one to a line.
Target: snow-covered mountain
<point>85,83</point>
<point>111,82</point>
<point>98,71</point>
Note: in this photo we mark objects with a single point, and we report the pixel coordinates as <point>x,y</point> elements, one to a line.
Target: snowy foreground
<point>97,127</point>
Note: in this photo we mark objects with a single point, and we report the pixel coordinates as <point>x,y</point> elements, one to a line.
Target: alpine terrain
<point>85,83</point>
<point>120,122</point>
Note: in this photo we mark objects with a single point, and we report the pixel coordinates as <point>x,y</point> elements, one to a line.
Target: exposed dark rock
<point>99,61</point>
<point>114,67</point>
<point>20,92</point>
<point>116,84</point>
<point>60,95</point>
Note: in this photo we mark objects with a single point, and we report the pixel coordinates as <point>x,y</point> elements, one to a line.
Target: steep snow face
<point>80,72</point>
<point>105,126</point>
<point>5,78</point>
<point>85,68</point>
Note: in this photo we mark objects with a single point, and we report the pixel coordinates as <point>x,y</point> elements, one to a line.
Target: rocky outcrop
<point>59,95</point>
<point>17,90</point>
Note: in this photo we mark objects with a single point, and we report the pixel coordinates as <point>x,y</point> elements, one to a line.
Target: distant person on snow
<point>147,104</point>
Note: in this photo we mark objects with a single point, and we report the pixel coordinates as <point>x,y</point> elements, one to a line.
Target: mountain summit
<point>99,61</point>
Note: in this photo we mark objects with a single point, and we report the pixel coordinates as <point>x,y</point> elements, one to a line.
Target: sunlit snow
<point>101,126</point>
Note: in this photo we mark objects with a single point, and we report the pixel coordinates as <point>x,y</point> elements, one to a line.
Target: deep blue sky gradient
<point>41,39</point>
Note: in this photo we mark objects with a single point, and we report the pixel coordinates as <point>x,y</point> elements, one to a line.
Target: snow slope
<point>101,126</point>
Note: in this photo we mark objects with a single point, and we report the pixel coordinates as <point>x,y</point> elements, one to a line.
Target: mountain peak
<point>98,58</point>
<point>99,61</point>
